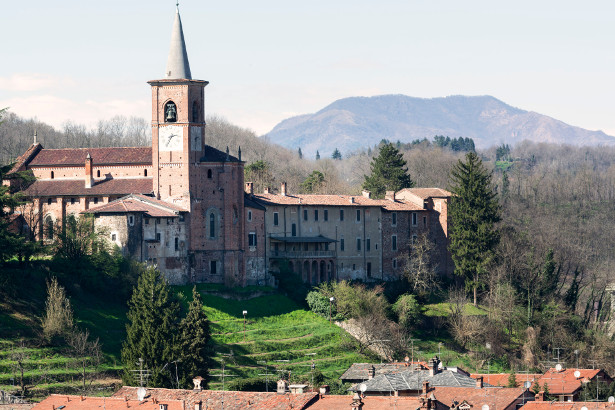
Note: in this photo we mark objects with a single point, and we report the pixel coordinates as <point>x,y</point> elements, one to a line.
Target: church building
<point>183,205</point>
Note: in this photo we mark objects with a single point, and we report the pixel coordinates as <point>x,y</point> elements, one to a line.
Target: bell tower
<point>178,124</point>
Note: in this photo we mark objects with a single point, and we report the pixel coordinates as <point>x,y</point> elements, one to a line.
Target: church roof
<point>178,66</point>
<point>100,156</point>
<point>76,187</point>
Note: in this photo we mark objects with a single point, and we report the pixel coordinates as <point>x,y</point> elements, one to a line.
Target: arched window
<point>170,112</point>
<point>145,172</point>
<point>49,227</point>
<point>195,112</point>
<point>209,173</point>
<point>52,174</point>
<point>212,225</point>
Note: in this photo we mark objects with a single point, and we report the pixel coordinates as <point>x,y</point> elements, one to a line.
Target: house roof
<point>567,405</point>
<point>100,156</point>
<point>336,200</point>
<point>501,379</point>
<point>565,382</point>
<point>331,402</point>
<point>360,371</point>
<point>135,203</point>
<point>76,187</point>
<point>232,399</point>
<point>25,158</point>
<point>413,380</point>
<point>251,203</point>
<point>426,193</point>
<point>494,397</point>
<point>69,402</point>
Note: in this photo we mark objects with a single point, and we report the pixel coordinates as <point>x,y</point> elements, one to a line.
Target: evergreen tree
<point>474,211</point>
<point>389,172</point>
<point>336,154</point>
<point>194,337</point>
<point>153,314</point>
<point>313,182</point>
<point>300,153</point>
<point>512,379</point>
<point>317,155</point>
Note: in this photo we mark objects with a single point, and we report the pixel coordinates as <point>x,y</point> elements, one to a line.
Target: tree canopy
<point>388,172</point>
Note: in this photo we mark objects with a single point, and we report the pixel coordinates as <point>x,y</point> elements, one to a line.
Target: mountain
<point>358,122</point>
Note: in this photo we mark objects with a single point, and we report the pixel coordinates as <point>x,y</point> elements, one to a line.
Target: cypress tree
<point>474,210</point>
<point>389,172</point>
<point>153,314</point>
<point>194,335</point>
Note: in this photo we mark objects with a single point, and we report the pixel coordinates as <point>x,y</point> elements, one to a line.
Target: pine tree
<point>300,153</point>
<point>336,154</point>
<point>389,172</point>
<point>512,379</point>
<point>153,314</point>
<point>194,337</point>
<point>473,212</point>
<point>317,155</point>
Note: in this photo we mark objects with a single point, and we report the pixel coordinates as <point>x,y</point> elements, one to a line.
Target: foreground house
<point>465,398</point>
<point>566,384</point>
<point>69,402</point>
<point>359,372</point>
<point>501,379</point>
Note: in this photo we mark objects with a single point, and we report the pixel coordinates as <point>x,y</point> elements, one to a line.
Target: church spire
<point>177,64</point>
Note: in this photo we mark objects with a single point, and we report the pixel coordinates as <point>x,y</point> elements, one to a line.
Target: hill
<point>358,122</point>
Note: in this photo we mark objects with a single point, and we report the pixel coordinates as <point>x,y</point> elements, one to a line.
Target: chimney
<point>479,382</point>
<point>250,188</point>
<point>366,194</point>
<point>390,196</point>
<point>283,189</point>
<point>352,199</point>
<point>425,387</point>
<point>266,190</point>
<point>433,366</point>
<point>197,383</point>
<point>198,405</point>
<point>371,372</point>
<point>324,389</point>
<point>282,386</point>
<point>88,171</point>
<point>239,153</point>
<point>540,396</point>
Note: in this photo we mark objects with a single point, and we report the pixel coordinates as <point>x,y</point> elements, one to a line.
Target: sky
<point>83,61</point>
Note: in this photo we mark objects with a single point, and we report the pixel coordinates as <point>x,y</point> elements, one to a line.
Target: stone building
<point>182,205</point>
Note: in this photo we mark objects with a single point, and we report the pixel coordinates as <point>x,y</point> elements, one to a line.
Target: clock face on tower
<point>170,138</point>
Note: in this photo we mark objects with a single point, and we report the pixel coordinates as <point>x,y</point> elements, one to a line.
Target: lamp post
<point>245,312</point>
<point>331,299</point>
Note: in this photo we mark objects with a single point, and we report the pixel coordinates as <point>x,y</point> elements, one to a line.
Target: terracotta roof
<point>331,402</point>
<point>232,399</point>
<point>567,405</point>
<point>501,379</point>
<point>336,200</point>
<point>494,397</point>
<point>76,187</point>
<point>25,158</point>
<point>564,382</point>
<point>426,193</point>
<point>77,156</point>
<point>149,206</point>
<point>360,371</point>
<point>69,402</point>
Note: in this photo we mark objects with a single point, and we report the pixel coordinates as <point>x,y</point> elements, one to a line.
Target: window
<point>209,173</point>
<point>276,219</point>
<point>249,216</point>
<point>72,201</point>
<point>52,175</point>
<point>358,244</point>
<point>145,172</point>
<point>369,269</point>
<point>394,218</point>
<point>169,221</point>
<point>326,214</point>
<point>342,244</point>
<point>195,112</point>
<point>98,174</point>
<point>341,214</point>
<point>157,221</point>
<point>316,214</point>
<point>294,230</point>
<point>424,222</point>
<point>305,216</point>
<point>176,243</point>
<point>158,236</point>
<point>213,267</point>
<point>131,220</point>
<point>252,239</point>
<point>146,219</point>
<point>368,244</point>
<point>181,217</point>
<point>394,242</point>
<point>413,218</point>
<point>354,267</point>
<point>212,225</point>
<point>95,200</point>
<point>358,215</point>
<point>394,263</point>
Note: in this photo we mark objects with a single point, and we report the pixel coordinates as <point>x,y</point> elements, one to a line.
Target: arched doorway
<point>314,273</point>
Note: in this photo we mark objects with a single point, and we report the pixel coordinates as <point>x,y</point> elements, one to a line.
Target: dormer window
<point>170,112</point>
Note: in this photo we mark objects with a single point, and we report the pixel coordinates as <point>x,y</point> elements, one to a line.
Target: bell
<point>171,112</point>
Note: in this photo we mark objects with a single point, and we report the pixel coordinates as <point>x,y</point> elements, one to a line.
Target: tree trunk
<point>474,295</point>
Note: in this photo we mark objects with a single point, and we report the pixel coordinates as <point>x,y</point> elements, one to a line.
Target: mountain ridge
<point>354,123</point>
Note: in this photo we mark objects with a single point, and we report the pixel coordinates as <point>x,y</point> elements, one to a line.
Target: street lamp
<point>245,312</point>
<point>331,299</point>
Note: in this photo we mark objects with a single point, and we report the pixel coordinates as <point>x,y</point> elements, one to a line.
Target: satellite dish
<point>584,408</point>
<point>141,392</point>
<point>611,399</point>
<point>485,407</point>
<point>558,367</point>
<point>577,374</point>
<point>527,384</point>
<point>363,387</point>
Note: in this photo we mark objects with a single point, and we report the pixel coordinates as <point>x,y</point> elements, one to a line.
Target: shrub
<point>319,303</point>
<point>408,311</point>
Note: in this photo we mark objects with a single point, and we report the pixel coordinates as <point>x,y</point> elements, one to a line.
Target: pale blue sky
<point>270,59</point>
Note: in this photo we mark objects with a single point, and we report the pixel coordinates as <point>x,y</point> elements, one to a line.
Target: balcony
<point>301,254</point>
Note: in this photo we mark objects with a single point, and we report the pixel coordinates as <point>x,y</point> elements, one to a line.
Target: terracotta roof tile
<point>109,403</point>
<point>501,379</point>
<point>494,397</point>
<point>149,206</point>
<point>567,405</point>
<point>336,200</point>
<point>77,156</point>
<point>564,382</point>
<point>331,402</point>
<point>232,399</point>
<point>76,187</point>
<point>25,158</point>
<point>426,193</point>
